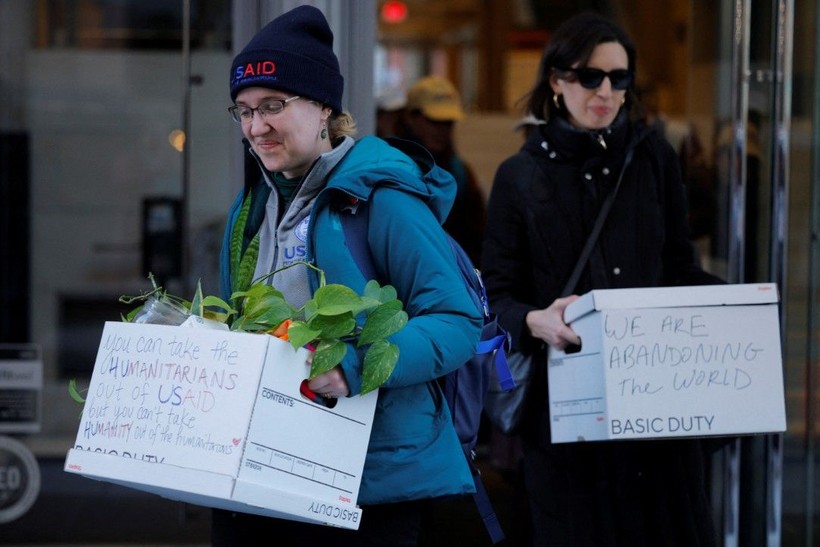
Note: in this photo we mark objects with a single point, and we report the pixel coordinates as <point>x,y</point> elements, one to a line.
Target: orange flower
<point>281,331</point>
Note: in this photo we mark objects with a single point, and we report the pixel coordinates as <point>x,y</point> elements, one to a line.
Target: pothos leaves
<point>335,319</point>
<point>379,363</point>
<point>328,322</point>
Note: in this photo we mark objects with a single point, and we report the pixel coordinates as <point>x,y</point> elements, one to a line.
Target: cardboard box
<point>670,362</point>
<point>216,418</point>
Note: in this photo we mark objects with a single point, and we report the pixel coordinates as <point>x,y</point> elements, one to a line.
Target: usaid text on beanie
<point>292,53</point>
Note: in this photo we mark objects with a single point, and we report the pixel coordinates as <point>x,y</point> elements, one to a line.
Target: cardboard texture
<point>670,362</point>
<point>216,418</point>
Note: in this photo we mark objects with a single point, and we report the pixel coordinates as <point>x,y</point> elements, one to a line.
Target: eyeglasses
<point>591,78</point>
<point>244,114</point>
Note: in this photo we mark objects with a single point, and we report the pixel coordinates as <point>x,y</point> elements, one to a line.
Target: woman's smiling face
<point>290,141</point>
<point>593,108</point>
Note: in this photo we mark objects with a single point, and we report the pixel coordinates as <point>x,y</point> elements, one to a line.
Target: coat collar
<point>562,141</point>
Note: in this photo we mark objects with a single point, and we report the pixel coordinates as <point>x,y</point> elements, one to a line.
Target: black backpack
<point>466,387</point>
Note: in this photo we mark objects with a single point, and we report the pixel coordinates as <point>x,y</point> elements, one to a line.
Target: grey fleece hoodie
<point>282,242</point>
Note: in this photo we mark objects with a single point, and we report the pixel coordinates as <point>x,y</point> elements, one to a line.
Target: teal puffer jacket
<point>414,452</point>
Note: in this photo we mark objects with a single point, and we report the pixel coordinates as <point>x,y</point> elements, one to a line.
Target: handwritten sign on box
<point>172,395</point>
<point>686,361</point>
<point>216,418</point>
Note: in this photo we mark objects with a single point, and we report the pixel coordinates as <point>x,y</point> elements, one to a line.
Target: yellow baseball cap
<point>436,98</point>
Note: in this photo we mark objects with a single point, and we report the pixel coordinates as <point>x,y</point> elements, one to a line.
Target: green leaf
<point>196,304</point>
<point>384,321</point>
<point>74,392</point>
<point>367,305</point>
<point>217,316</point>
<point>244,324</point>
<point>215,301</point>
<point>236,240</point>
<point>372,289</point>
<point>240,325</point>
<point>271,318</point>
<point>257,307</point>
<point>257,290</point>
<point>334,326</point>
<point>328,354</point>
<point>382,294</point>
<point>310,309</point>
<point>379,362</point>
<point>247,266</point>
<point>335,299</point>
<point>129,317</point>
<point>300,334</point>
<point>258,298</point>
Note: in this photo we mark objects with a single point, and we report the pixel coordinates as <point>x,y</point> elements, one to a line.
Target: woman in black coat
<point>542,207</point>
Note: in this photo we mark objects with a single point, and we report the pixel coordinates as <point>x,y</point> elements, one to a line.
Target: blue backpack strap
<point>485,508</point>
<point>502,368</point>
<point>498,341</point>
<point>354,224</point>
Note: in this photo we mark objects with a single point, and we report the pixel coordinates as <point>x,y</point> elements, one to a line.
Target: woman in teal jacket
<point>304,170</point>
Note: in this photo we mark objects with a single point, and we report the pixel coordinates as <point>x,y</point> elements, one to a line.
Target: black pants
<point>393,524</point>
<point>619,494</point>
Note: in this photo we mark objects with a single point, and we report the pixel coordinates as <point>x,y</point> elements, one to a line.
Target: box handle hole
<point>573,348</point>
<point>314,397</point>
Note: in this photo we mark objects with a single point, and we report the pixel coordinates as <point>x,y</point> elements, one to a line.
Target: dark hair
<point>572,43</point>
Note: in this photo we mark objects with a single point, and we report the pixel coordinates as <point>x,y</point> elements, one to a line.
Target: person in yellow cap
<point>433,107</point>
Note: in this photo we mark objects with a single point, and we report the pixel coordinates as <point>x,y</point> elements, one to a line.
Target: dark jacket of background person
<point>543,204</point>
<point>465,223</point>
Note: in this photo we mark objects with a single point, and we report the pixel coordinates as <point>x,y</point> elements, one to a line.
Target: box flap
<point>672,297</point>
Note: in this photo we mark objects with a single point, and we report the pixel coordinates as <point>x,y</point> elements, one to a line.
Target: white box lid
<point>672,297</point>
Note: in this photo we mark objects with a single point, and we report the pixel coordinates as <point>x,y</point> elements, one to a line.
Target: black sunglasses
<point>591,78</point>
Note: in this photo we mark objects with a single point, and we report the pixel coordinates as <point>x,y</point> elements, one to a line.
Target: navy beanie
<point>293,53</point>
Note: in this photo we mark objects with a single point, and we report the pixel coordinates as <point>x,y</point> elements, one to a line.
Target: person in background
<point>433,108</point>
<point>542,206</point>
<point>390,113</point>
<point>303,171</point>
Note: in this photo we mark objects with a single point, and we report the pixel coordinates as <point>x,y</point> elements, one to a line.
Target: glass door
<point>751,102</point>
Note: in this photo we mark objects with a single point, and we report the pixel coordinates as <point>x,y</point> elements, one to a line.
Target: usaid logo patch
<point>254,71</point>
<point>302,229</point>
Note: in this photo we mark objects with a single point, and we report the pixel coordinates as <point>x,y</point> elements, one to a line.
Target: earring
<point>323,134</point>
<point>555,101</point>
<point>623,100</point>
